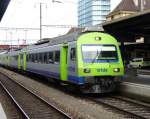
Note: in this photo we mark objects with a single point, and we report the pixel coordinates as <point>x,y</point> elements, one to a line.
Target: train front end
<point>99,62</point>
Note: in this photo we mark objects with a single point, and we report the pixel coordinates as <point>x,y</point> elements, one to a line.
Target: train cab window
<point>50,57</point>
<point>73,54</point>
<point>57,57</point>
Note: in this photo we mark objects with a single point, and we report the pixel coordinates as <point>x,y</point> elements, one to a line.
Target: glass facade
<point>92,12</point>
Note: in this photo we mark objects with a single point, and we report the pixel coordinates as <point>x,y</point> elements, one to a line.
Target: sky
<point>25,14</point>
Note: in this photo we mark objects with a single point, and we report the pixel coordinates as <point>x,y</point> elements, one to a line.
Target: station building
<point>120,25</point>
<point>128,7</point>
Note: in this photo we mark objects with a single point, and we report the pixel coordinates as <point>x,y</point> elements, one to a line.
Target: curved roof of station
<point>3,7</point>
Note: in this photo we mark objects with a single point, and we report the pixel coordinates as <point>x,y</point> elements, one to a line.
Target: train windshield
<point>99,53</point>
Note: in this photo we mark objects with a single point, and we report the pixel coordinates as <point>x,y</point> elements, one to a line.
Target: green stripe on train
<point>24,61</point>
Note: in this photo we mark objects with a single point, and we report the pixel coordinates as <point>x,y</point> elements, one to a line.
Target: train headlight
<point>87,70</point>
<point>97,38</point>
<point>116,69</point>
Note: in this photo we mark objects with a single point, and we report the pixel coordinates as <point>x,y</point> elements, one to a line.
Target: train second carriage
<point>91,60</point>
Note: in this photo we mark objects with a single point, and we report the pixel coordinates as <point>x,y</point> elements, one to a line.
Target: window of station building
<point>57,57</point>
<point>73,54</point>
<point>51,57</point>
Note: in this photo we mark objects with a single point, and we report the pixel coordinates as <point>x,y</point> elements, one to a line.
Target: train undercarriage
<point>99,85</point>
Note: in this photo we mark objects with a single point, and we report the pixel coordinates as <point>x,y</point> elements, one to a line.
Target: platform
<point>135,85</point>
<point>137,76</point>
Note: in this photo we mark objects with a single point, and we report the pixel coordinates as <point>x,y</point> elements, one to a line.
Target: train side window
<point>38,59</point>
<point>21,56</point>
<point>73,54</point>
<point>45,57</point>
<point>41,57</point>
<point>50,57</point>
<point>32,55</point>
<point>35,58</point>
<point>27,57</point>
<point>30,58</point>
<point>57,57</point>
<point>16,58</point>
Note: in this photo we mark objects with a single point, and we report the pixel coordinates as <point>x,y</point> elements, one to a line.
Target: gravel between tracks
<point>78,108</point>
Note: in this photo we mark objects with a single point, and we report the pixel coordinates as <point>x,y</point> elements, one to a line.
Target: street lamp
<point>56,1</point>
<point>41,15</point>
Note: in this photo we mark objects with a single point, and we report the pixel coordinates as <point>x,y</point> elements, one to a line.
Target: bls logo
<point>102,70</point>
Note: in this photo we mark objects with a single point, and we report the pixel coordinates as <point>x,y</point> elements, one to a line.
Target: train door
<point>19,67</point>
<point>21,61</point>
<point>64,63</point>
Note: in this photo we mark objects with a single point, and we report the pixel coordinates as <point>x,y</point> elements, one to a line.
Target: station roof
<point>130,27</point>
<point>3,7</point>
<point>131,6</point>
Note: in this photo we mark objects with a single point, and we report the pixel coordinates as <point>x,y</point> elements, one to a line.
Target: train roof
<point>73,36</point>
<point>55,41</point>
<point>65,38</point>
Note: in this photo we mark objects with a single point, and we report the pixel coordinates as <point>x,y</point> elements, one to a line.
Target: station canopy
<point>3,7</point>
<point>129,28</point>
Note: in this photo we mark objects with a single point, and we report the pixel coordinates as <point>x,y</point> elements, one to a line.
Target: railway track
<point>127,106</point>
<point>31,105</point>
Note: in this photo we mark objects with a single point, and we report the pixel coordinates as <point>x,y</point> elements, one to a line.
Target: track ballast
<point>129,107</point>
<point>31,105</point>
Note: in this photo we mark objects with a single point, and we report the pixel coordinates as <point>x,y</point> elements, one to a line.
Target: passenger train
<point>89,60</point>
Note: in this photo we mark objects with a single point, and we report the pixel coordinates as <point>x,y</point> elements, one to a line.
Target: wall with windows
<point>92,12</point>
<point>118,14</point>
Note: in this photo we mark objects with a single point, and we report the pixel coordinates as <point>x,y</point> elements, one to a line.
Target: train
<point>90,61</point>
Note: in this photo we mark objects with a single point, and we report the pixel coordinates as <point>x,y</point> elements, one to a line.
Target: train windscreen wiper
<point>97,54</point>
